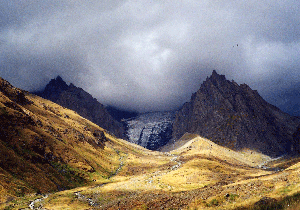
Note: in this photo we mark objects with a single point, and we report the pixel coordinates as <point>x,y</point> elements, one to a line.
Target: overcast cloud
<point>150,55</point>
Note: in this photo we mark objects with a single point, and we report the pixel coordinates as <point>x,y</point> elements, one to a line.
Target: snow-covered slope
<point>150,130</point>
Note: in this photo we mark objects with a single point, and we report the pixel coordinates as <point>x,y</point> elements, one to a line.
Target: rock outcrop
<point>83,103</point>
<point>150,130</point>
<point>236,116</point>
<point>15,94</point>
<point>160,135</point>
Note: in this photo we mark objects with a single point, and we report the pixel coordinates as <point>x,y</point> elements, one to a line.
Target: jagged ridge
<point>83,103</point>
<point>235,116</point>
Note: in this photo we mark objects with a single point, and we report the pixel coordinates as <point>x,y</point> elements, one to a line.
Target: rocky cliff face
<point>150,130</point>
<point>235,116</point>
<point>83,103</point>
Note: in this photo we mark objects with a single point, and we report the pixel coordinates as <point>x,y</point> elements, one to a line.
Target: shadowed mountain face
<point>288,100</point>
<point>83,103</point>
<point>296,141</point>
<point>120,115</point>
<point>237,117</point>
<point>150,130</point>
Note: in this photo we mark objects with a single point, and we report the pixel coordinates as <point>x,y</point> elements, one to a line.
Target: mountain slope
<point>235,116</point>
<point>45,147</point>
<point>197,175</point>
<point>120,115</point>
<point>83,103</point>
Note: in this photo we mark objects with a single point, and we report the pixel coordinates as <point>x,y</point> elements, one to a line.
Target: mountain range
<point>229,114</point>
<point>150,130</point>
<point>53,158</point>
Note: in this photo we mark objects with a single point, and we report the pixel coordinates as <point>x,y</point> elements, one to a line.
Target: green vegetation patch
<point>233,197</point>
<point>77,177</point>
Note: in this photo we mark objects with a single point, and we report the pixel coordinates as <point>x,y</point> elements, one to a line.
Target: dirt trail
<point>81,197</point>
<point>175,159</point>
<point>150,178</point>
<point>92,202</point>
<point>120,165</point>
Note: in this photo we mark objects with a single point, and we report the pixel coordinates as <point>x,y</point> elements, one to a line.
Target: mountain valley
<point>53,158</point>
<point>229,114</point>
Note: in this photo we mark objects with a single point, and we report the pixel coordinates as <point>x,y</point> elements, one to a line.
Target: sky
<point>151,55</point>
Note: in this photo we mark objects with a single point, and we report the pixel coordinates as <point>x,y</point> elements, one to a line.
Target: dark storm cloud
<point>150,55</point>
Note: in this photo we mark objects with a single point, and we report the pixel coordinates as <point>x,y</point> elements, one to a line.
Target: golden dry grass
<point>196,174</point>
<point>44,129</point>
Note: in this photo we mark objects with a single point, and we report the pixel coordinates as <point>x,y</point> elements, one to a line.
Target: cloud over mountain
<point>150,55</point>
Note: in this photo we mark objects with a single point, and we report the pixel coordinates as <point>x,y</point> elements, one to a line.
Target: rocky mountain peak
<point>216,78</point>
<point>217,84</point>
<point>235,116</point>
<point>75,98</point>
<point>54,88</point>
<point>58,82</point>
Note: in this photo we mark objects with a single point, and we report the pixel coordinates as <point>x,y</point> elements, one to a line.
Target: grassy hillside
<point>45,148</point>
<point>197,175</point>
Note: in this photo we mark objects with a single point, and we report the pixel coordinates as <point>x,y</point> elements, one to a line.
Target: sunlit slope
<point>192,175</point>
<point>198,174</point>
<point>192,144</point>
<point>45,147</point>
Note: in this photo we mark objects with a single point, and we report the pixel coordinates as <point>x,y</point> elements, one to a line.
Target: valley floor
<point>196,175</point>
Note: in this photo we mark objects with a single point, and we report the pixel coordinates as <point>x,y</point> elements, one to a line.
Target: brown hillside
<point>45,147</point>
